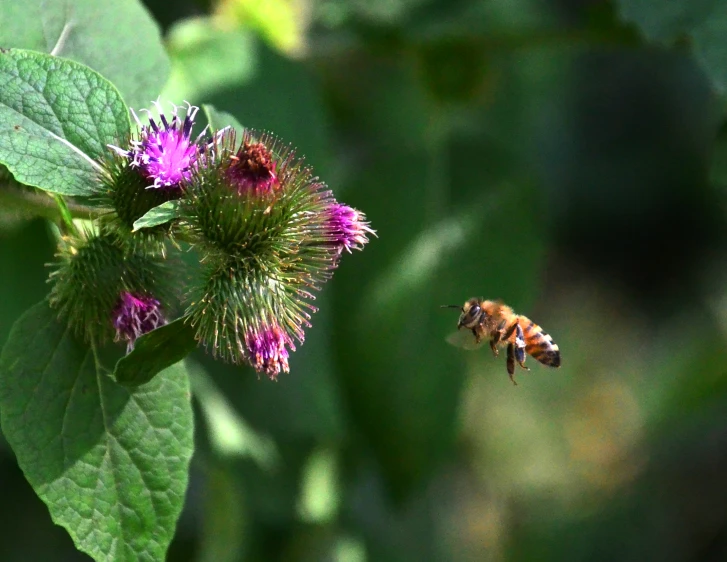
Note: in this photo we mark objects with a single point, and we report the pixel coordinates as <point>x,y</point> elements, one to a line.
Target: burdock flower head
<point>153,165</point>
<point>135,315</point>
<point>272,234</point>
<point>266,348</point>
<point>252,170</point>
<point>102,287</point>
<point>347,227</point>
<point>164,152</point>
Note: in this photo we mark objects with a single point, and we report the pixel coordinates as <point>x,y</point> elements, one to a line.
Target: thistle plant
<point>270,233</point>
<point>132,196</point>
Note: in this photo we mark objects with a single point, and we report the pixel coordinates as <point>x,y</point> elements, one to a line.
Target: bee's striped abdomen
<point>540,345</point>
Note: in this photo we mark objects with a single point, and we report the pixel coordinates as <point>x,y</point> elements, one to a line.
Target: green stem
<point>65,213</point>
<point>36,204</point>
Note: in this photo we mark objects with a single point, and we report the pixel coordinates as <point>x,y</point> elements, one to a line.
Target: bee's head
<point>471,313</point>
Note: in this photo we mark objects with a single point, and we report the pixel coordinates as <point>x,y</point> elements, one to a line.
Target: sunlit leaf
<point>281,22</point>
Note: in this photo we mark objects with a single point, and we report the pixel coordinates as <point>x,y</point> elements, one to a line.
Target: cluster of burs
<point>266,231</point>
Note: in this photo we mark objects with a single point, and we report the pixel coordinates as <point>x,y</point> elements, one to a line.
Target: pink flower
<point>347,227</point>
<point>135,315</point>
<point>164,152</point>
<point>266,350</point>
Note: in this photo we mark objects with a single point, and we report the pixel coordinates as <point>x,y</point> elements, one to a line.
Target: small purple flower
<point>135,315</point>
<point>347,227</point>
<point>164,152</point>
<point>252,170</point>
<point>266,350</point>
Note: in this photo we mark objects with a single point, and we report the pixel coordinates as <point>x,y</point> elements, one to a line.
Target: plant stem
<point>38,204</point>
<point>65,213</point>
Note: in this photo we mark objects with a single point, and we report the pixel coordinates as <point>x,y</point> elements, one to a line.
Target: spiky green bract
<point>239,299</point>
<point>94,271</point>
<point>128,194</point>
<point>267,245</point>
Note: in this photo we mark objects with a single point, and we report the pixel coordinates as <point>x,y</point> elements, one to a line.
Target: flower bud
<point>90,281</point>
<point>265,346</point>
<point>347,227</point>
<point>134,315</point>
<point>252,170</point>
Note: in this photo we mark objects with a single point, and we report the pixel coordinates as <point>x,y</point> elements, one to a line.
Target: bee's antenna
<point>451,306</point>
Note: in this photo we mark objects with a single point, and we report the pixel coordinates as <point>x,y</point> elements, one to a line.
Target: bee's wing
<point>464,339</point>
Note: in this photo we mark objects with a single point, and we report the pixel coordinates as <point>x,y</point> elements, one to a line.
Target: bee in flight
<point>496,322</point>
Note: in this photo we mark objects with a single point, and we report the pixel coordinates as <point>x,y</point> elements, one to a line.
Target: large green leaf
<point>110,463</point>
<point>117,38</point>
<point>704,21</point>
<point>56,118</point>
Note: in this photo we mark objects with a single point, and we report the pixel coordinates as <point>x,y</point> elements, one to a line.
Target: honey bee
<point>496,322</point>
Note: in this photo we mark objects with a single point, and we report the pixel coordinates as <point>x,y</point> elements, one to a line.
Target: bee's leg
<point>520,346</point>
<point>511,362</point>
<point>510,330</point>
<point>495,337</point>
<point>477,335</point>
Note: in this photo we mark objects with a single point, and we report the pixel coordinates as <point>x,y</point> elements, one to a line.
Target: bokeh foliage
<point>564,156</point>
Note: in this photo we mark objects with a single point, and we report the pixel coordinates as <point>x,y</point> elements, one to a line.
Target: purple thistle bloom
<point>347,227</point>
<point>164,152</point>
<point>252,170</point>
<point>266,350</point>
<point>135,315</point>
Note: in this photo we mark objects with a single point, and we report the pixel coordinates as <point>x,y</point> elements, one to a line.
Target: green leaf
<point>155,351</point>
<point>220,119</point>
<point>160,214</point>
<point>704,21</point>
<point>56,119</point>
<point>206,58</point>
<point>117,38</point>
<point>110,463</point>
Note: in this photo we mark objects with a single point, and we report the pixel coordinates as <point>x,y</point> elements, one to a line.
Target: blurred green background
<point>541,152</point>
